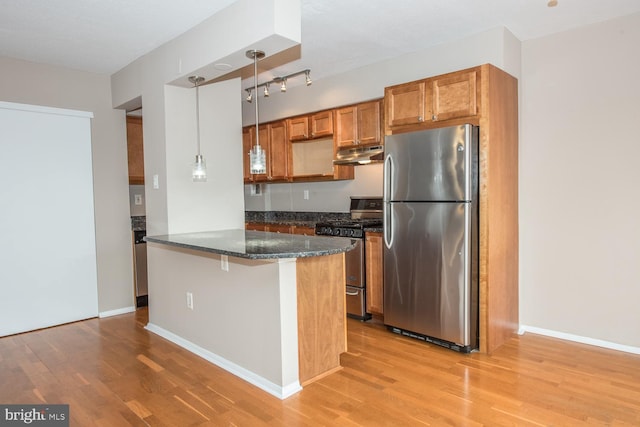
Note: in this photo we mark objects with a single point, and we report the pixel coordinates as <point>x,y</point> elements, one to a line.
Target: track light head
<point>249,97</point>
<point>283,86</point>
<point>308,77</point>
<point>266,90</point>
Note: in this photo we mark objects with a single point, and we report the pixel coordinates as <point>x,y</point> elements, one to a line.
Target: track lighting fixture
<point>552,3</point>
<point>280,80</point>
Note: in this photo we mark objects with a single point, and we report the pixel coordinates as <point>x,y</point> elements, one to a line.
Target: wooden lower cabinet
<point>305,231</point>
<point>374,273</point>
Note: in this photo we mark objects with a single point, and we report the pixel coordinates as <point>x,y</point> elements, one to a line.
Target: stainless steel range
<point>364,212</point>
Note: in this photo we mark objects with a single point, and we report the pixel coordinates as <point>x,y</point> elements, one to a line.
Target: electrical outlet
<point>306,194</point>
<point>156,182</point>
<point>224,262</point>
<point>190,300</point>
<point>137,199</point>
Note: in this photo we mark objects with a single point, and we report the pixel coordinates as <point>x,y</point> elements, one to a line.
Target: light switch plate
<point>137,199</point>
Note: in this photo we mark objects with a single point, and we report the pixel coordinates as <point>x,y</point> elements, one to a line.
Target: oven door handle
<point>352,294</point>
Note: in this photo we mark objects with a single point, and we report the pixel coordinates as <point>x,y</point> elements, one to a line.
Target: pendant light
<point>257,156</point>
<point>199,170</point>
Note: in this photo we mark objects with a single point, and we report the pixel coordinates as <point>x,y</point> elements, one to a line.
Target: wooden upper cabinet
<point>455,96</point>
<point>274,141</point>
<point>247,142</point>
<point>278,163</point>
<point>298,128</point>
<point>369,122</point>
<point>405,104</point>
<point>358,124</point>
<point>321,124</point>
<point>422,103</point>
<point>135,151</point>
<point>311,126</point>
<point>346,126</point>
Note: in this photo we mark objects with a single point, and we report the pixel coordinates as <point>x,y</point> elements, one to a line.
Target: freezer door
<point>427,286</point>
<point>431,165</point>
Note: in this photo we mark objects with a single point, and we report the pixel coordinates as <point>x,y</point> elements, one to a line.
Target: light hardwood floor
<point>113,372</point>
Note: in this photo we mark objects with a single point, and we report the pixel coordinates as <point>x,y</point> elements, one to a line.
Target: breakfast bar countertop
<point>256,244</point>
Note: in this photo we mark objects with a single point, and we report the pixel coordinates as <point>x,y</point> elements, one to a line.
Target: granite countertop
<point>256,244</point>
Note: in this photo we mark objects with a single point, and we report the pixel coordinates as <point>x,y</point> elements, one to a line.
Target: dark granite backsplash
<point>293,218</point>
<point>138,223</point>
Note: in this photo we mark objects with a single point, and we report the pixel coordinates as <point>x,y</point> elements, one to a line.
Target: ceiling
<point>104,36</point>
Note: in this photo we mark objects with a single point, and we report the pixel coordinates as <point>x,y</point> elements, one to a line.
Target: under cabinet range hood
<point>359,155</point>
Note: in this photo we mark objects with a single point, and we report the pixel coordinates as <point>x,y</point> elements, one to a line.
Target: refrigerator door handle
<point>387,225</point>
<point>386,177</point>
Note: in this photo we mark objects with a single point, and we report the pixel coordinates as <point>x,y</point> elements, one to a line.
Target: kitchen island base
<point>276,323</point>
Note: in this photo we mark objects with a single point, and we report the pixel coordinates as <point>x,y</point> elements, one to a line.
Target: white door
<point>47,252</point>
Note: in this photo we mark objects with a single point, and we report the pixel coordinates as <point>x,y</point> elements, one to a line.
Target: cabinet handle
<point>434,117</point>
<point>420,119</point>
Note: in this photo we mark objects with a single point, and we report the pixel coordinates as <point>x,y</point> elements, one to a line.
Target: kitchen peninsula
<point>267,307</point>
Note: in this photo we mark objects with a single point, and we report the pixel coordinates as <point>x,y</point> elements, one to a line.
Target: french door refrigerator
<point>431,236</point>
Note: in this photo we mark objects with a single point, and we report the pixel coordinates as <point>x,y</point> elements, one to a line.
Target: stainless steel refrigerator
<point>431,235</point>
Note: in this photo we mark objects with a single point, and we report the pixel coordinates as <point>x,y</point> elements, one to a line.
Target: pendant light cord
<point>198,117</point>
<point>255,86</point>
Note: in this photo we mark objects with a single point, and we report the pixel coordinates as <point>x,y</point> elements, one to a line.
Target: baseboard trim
<point>281,392</point>
<point>578,338</point>
<point>116,312</point>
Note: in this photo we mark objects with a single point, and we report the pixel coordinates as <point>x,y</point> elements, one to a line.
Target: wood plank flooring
<point>113,372</point>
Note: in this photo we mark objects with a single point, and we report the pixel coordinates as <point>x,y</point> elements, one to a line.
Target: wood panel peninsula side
<point>267,307</point>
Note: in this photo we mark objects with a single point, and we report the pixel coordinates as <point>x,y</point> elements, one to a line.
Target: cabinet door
<point>374,273</point>
<point>368,123</point>
<point>279,228</point>
<point>135,152</point>
<point>346,126</point>
<point>278,154</point>
<point>405,104</point>
<point>302,230</point>
<point>322,124</point>
<point>254,226</point>
<point>454,96</point>
<point>298,128</point>
<point>246,147</point>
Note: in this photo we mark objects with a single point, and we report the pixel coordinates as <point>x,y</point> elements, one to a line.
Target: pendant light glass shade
<point>258,159</point>
<point>199,169</point>
<point>257,156</point>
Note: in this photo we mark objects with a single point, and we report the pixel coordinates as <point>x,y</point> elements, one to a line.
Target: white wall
<point>497,46</point>
<point>217,203</point>
<point>579,176</point>
<point>38,84</point>
<point>222,38</point>
<point>257,341</point>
